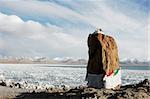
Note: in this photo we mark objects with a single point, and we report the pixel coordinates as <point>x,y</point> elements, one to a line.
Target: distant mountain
<point>134,62</point>
<point>66,60</point>
<point>70,60</point>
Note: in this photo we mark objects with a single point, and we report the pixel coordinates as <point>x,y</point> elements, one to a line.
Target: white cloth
<point>112,81</point>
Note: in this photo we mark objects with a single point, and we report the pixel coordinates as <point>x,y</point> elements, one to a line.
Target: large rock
<point>103,54</point>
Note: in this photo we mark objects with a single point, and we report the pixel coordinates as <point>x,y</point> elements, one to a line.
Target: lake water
<point>136,67</point>
<point>71,75</point>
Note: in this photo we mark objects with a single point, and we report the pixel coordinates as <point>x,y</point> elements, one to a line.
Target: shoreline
<point>61,64</point>
<point>140,91</point>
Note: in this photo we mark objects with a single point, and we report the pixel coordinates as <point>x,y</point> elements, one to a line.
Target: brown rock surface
<point>103,54</point>
<point>134,91</point>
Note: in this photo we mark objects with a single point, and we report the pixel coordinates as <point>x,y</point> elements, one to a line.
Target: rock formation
<point>134,91</point>
<point>103,54</point>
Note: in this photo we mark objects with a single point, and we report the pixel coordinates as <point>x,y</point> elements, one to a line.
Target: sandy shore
<point>136,91</point>
<point>7,92</point>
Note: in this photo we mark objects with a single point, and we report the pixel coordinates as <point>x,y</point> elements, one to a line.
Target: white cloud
<point>129,32</point>
<point>101,15</point>
<point>30,29</point>
<point>42,9</point>
<point>1,44</point>
<point>48,36</point>
<point>148,29</point>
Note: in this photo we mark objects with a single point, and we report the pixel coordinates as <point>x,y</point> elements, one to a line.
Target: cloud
<point>95,15</point>
<point>13,24</point>
<point>49,10</point>
<point>31,37</point>
<point>148,29</point>
<point>1,44</point>
<point>73,20</point>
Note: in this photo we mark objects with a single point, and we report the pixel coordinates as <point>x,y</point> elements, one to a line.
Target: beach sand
<point>7,92</point>
<point>134,91</point>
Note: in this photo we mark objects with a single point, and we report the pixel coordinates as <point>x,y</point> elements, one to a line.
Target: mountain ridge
<point>66,60</point>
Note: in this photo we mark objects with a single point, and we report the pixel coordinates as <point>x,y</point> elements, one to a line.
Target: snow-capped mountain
<point>134,61</point>
<point>66,60</point>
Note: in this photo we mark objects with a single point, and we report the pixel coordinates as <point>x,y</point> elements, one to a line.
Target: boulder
<point>103,54</point>
<point>2,83</point>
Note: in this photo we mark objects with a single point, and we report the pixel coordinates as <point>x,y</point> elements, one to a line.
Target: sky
<point>59,28</point>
